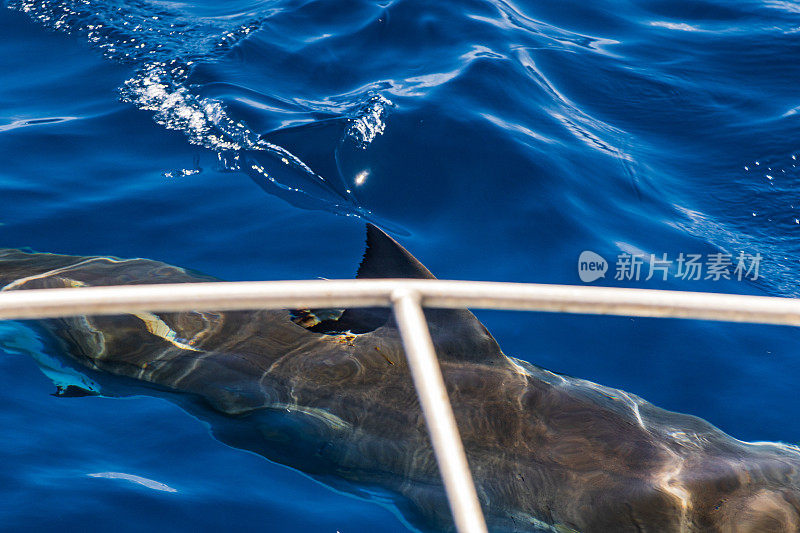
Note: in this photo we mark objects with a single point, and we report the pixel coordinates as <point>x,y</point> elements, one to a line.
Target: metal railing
<point>406,297</point>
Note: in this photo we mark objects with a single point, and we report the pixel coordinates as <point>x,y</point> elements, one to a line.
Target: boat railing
<point>407,298</point>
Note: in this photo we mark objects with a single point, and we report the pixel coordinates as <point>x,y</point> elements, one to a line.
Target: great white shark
<point>328,392</point>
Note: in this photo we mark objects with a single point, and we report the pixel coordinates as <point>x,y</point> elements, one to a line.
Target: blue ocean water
<point>497,140</point>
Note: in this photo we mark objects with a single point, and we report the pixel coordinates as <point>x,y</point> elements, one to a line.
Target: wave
<point>165,46</point>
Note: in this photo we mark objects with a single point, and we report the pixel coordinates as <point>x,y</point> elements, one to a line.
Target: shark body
<point>329,393</point>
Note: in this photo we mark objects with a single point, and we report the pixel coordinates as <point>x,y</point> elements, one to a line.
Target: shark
<point>328,392</point>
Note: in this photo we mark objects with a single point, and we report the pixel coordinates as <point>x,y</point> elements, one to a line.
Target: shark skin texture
<point>328,392</point>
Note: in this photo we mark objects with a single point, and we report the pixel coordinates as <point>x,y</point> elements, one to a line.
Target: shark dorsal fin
<point>457,333</point>
<point>385,258</point>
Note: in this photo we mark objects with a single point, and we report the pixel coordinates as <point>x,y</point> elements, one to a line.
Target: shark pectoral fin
<point>73,391</point>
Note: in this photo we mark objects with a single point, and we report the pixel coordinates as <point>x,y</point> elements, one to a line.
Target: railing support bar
<point>438,412</point>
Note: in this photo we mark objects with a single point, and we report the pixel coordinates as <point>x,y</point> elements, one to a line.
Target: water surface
<point>497,140</point>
